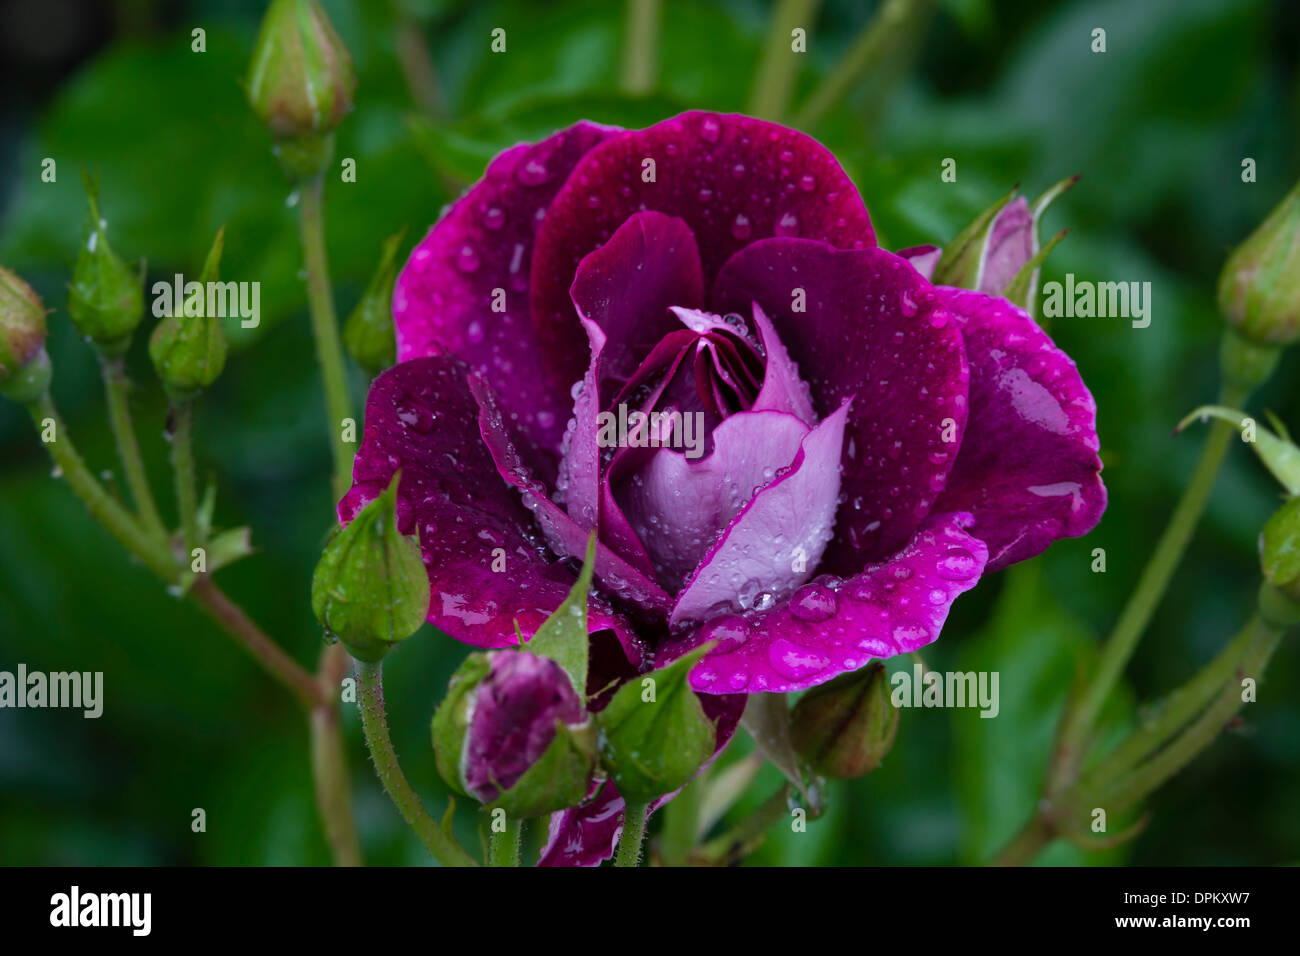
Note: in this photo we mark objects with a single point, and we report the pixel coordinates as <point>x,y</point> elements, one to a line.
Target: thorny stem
<point>374,723</point>
<point>780,64</point>
<point>629,842</point>
<point>504,846</point>
<point>329,762</point>
<point>641,46</point>
<point>183,466</point>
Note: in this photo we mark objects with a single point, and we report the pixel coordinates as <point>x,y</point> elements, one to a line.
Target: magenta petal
<point>1028,469</point>
<point>421,418</point>
<point>1010,245</point>
<point>733,179</point>
<point>783,390</point>
<point>478,256</point>
<point>888,609</point>
<point>564,536</point>
<point>777,539</point>
<point>701,497</point>
<point>627,286</point>
<point>587,835</point>
<point>873,331</point>
<point>923,259</point>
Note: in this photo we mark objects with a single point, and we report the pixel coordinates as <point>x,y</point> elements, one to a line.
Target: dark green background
<point>1158,127</point>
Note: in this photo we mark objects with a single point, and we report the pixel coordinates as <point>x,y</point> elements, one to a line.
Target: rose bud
<point>512,733</point>
<point>300,83</point>
<point>1259,289</point>
<point>845,727</point>
<point>106,298</point>
<point>370,590</point>
<point>24,366</point>
<point>189,349</point>
<point>368,332</point>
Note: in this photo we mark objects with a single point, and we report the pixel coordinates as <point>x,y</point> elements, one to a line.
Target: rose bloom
<point>871,444</point>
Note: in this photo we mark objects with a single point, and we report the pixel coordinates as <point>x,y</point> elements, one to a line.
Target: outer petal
<point>775,542</point>
<point>873,331</point>
<point>888,609</point>
<point>733,179</point>
<point>421,418</point>
<point>1028,469</point>
<point>443,299</point>
<point>588,834</point>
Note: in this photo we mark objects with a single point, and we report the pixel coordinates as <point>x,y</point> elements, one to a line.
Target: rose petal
<point>873,331</point>
<point>733,179</point>
<point>477,255</point>
<point>678,507</point>
<point>1009,246</point>
<point>777,539</point>
<point>562,533</point>
<point>783,390</point>
<point>1028,468</point>
<point>922,258</point>
<point>888,609</point>
<point>421,418</point>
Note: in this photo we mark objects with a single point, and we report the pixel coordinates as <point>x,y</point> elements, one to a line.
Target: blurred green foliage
<point>1158,127</point>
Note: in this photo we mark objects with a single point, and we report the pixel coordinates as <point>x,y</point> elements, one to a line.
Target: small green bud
<point>1279,549</point>
<point>370,589</point>
<point>1259,289</point>
<point>106,298</point>
<point>300,83</point>
<point>845,727</point>
<point>24,365</point>
<point>368,332</point>
<point>188,349</point>
<point>654,734</point>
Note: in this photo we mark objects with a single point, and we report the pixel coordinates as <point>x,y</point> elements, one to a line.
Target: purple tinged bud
<point>24,367</point>
<point>512,732</point>
<point>1259,289</point>
<point>844,728</point>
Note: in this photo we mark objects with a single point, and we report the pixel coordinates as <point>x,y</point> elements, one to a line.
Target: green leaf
<point>560,778</point>
<point>563,637</point>
<point>654,746</point>
<point>1278,455</point>
<point>767,720</point>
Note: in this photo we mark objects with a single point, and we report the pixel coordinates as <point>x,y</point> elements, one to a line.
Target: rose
<point>873,444</point>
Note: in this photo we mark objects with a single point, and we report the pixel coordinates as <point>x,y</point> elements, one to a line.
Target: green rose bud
<point>24,365</point>
<point>106,298</point>
<point>845,727</point>
<point>300,83</point>
<point>654,735</point>
<point>189,349</point>
<point>368,332</point>
<point>370,589</point>
<point>1259,289</point>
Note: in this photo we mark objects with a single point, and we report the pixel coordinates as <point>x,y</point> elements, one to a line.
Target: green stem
<point>780,64</point>
<point>503,848</point>
<point>374,724</point>
<point>641,46</point>
<point>329,762</point>
<point>1118,649</point>
<point>629,843</point>
<point>1172,714</point>
<point>183,467</point>
<point>1206,728</point>
<point>744,838</point>
<point>680,823</point>
<point>116,387</point>
<point>1027,844</point>
<point>325,328</point>
<point>882,36</point>
<point>103,507</point>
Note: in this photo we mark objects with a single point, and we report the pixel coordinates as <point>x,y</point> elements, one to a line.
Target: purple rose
<point>790,441</point>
